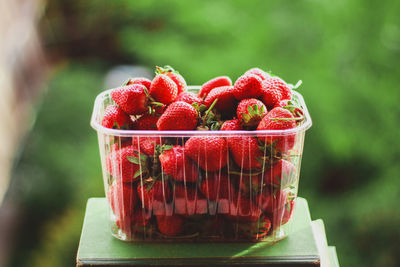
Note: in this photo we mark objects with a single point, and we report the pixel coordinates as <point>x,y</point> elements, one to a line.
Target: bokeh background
<point>347,53</point>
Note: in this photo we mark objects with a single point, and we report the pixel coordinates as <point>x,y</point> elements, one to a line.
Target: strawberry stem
<point>209,110</point>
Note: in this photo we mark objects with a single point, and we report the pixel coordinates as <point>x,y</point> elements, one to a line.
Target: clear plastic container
<point>211,193</point>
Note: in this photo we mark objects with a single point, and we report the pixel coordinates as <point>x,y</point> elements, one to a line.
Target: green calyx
<point>165,69</point>
<point>141,160</point>
<point>210,120</point>
<point>253,115</point>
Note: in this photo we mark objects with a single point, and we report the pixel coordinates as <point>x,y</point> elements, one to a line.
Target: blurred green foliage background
<point>347,53</point>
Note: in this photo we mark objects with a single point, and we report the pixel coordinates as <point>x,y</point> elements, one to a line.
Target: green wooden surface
<point>99,248</point>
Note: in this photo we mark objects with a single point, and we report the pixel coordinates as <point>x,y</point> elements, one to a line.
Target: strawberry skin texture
<point>189,98</point>
<point>232,125</point>
<point>147,144</point>
<point>178,116</point>
<point>170,225</point>
<point>123,199</point>
<point>214,83</point>
<point>282,143</point>
<point>245,152</point>
<point>248,119</point>
<point>118,165</point>
<point>270,202</point>
<point>115,118</point>
<point>143,81</point>
<point>181,168</point>
<point>179,81</point>
<point>188,201</point>
<point>146,122</point>
<point>209,152</point>
<point>243,209</point>
<point>154,197</point>
<point>281,174</point>
<point>216,187</point>
<point>259,72</point>
<point>163,89</point>
<point>131,98</point>
<point>278,84</point>
<point>270,96</point>
<point>226,103</point>
<point>248,86</point>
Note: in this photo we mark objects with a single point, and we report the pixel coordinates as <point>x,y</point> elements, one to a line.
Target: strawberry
<point>278,119</point>
<point>209,152</point>
<point>163,89</point>
<point>249,184</point>
<point>189,98</point>
<point>147,144</point>
<point>178,116</point>
<point>292,106</point>
<point>256,230</point>
<point>216,187</point>
<point>226,103</point>
<point>181,168</point>
<point>170,225</point>
<point>271,96</point>
<point>131,98</point>
<point>188,201</point>
<point>278,84</point>
<point>115,118</point>
<point>248,86</point>
<point>143,81</point>
<point>146,122</point>
<point>271,202</point>
<point>245,152</point>
<point>281,174</point>
<point>154,195</point>
<point>214,83</point>
<point>126,163</point>
<point>232,125</point>
<point>243,209</point>
<point>175,76</point>
<point>259,72</point>
<point>123,199</point>
<point>140,217</point>
<point>250,112</point>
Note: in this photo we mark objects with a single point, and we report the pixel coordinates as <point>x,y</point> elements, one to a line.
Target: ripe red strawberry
<point>259,72</point>
<point>278,84</point>
<point>147,144</point>
<point>189,98</point>
<point>143,81</point>
<point>214,83</point>
<point>115,118</point>
<point>278,119</point>
<point>123,198</point>
<point>180,167</point>
<point>292,107</point>
<point>170,225</point>
<point>281,174</point>
<point>216,186</point>
<point>147,122</point>
<point>154,195</point>
<point>140,217</point>
<point>209,152</point>
<point>248,86</point>
<point>175,76</point>
<point>163,89</point>
<point>131,98</point>
<point>188,201</point>
<point>126,164</point>
<point>243,209</point>
<point>226,104</point>
<point>232,125</point>
<point>271,202</point>
<point>245,151</point>
<point>270,96</point>
<point>178,116</point>
<point>250,112</point>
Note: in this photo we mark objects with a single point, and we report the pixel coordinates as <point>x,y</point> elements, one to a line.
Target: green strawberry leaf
<point>137,173</point>
<point>135,160</point>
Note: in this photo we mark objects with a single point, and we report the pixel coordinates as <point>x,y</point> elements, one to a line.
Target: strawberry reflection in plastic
<point>189,201</point>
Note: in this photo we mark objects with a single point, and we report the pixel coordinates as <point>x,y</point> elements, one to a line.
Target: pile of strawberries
<point>205,186</point>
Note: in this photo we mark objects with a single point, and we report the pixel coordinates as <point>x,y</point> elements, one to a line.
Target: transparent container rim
<point>94,122</point>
